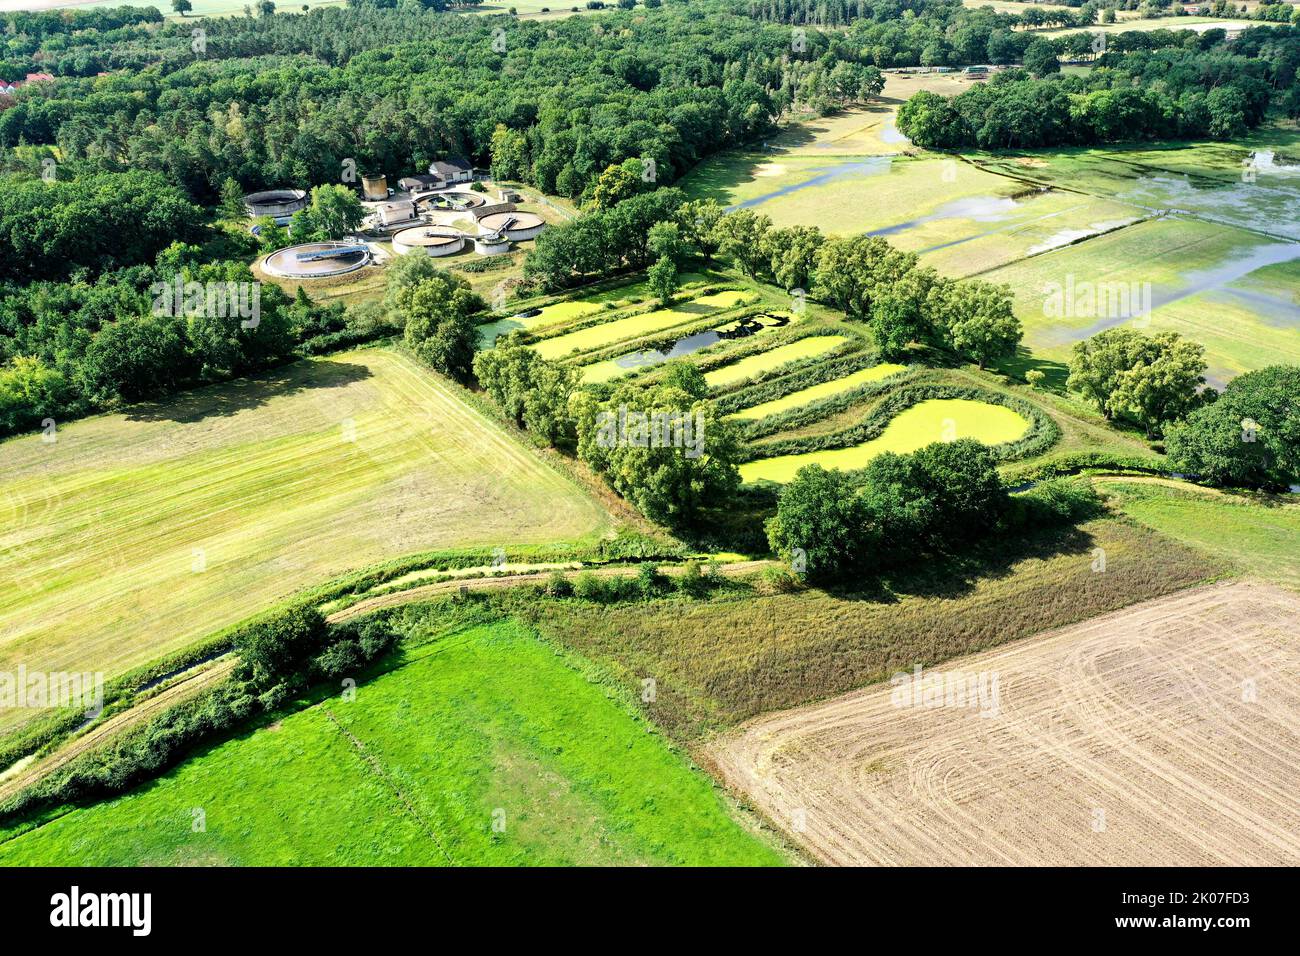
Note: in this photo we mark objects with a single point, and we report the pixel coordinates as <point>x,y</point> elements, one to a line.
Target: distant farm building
<point>451,171</point>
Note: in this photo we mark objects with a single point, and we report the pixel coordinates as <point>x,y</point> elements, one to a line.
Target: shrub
<point>275,645</point>
<point>376,638</point>
<point>691,581</point>
<point>341,657</point>
<point>648,581</point>
<point>588,587</point>
<point>1058,501</point>
<point>775,580</point>
<point>558,585</point>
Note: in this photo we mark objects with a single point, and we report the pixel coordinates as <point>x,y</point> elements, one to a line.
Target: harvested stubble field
<point>136,534</point>
<point>719,662</point>
<point>1164,734</point>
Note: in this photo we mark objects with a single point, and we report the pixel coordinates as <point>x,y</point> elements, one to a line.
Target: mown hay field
<point>134,535</point>
<point>1157,735</point>
<point>720,662</point>
<point>485,748</point>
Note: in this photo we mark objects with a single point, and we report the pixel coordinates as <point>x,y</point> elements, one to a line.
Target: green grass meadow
<point>1257,535</point>
<point>485,748</point>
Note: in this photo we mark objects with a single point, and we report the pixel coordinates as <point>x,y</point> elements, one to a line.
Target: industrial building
<point>442,173</point>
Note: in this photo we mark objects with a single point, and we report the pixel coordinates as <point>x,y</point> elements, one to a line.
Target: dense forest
<point>110,171</point>
<point>288,98</point>
<point>1194,89</point>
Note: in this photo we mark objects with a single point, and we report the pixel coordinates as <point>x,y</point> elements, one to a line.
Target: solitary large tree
<point>439,324</point>
<point>1249,437</point>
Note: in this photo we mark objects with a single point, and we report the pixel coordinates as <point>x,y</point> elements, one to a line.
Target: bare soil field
<point>1164,734</point>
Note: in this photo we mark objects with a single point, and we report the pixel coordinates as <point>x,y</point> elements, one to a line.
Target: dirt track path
<point>189,685</point>
<point>427,592</point>
<point>1164,734</point>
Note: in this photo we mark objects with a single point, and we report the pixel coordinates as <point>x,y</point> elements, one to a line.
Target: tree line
<point>68,348</point>
<point>1173,92</point>
<point>297,99</point>
<point>863,276</point>
<point>1248,436</point>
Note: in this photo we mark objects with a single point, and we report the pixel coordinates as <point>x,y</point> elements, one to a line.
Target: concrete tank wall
<point>413,242</point>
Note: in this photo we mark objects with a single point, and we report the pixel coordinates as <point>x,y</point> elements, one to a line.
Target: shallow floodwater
<point>1267,203</point>
<point>751,325</point>
<point>852,166</point>
<point>976,208</point>
<point>937,419</point>
<point>890,134</point>
<point>1215,279</point>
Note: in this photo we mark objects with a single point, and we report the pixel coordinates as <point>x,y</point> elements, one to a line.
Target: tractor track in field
<point>377,768</point>
<point>187,686</point>
<point>1165,733</point>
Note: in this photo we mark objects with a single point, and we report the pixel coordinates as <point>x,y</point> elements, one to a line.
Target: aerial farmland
<point>698,434</point>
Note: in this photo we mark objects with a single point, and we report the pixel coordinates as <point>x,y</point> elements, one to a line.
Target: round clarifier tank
<point>432,241</point>
<point>279,204</point>
<point>492,245</point>
<point>316,260</point>
<point>452,200</point>
<point>515,226</point>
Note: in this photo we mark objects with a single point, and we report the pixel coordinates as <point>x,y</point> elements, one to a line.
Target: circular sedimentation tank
<point>276,203</point>
<point>316,260</point>
<point>433,241</point>
<point>492,245</point>
<point>452,200</point>
<point>515,226</point>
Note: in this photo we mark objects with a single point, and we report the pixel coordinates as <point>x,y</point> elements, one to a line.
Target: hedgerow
<point>772,389</point>
<point>281,656</point>
<point>1075,462</point>
<point>854,343</point>
<point>816,411</point>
